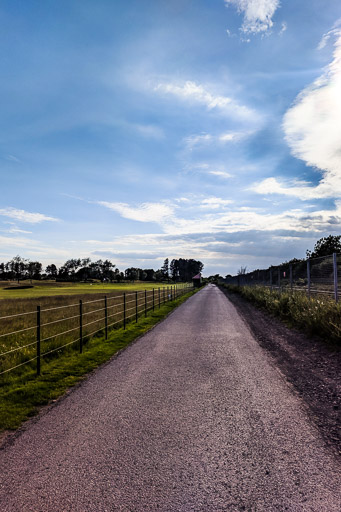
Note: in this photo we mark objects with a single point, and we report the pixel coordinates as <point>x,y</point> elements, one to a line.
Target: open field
<point>52,288</point>
<point>65,321</point>
<point>22,392</point>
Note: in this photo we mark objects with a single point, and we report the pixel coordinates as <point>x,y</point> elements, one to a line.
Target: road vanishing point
<point>194,416</point>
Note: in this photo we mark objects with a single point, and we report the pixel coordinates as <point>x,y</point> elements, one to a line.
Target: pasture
<point>10,290</point>
<point>62,317</point>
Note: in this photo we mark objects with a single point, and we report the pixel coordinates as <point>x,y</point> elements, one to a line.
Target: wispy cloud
<point>257,14</point>
<point>197,140</point>
<point>221,174</point>
<point>206,138</point>
<point>209,168</point>
<point>196,93</point>
<point>214,203</point>
<point>13,158</point>
<point>334,32</point>
<point>146,212</point>
<point>23,216</point>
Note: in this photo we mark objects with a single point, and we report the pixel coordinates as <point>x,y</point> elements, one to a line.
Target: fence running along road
<point>28,337</point>
<point>312,276</point>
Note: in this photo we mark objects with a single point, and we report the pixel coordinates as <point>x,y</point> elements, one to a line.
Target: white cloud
<point>17,230</point>
<point>335,31</point>
<point>206,138</point>
<point>23,216</point>
<point>221,174</point>
<point>296,188</point>
<point>146,212</point>
<point>211,168</point>
<point>257,14</point>
<point>197,140</point>
<point>312,129</point>
<point>214,203</point>
<point>192,92</point>
<point>283,28</point>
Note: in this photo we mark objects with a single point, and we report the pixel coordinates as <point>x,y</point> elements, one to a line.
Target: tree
<point>17,267</point>
<point>51,270</point>
<point>34,269</point>
<point>165,269</point>
<point>132,273</point>
<point>242,271</point>
<point>150,274</point>
<point>325,246</point>
<point>174,270</point>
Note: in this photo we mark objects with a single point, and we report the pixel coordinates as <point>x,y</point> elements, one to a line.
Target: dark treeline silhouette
<point>85,270</point>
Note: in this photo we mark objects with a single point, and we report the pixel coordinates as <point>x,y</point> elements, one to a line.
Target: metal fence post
<point>124,310</point>
<point>106,316</point>
<point>145,303</point>
<point>136,307</point>
<point>336,292</point>
<point>308,277</point>
<point>80,326</point>
<point>38,340</point>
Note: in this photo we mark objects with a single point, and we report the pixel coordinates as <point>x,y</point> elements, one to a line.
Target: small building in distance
<point>197,280</point>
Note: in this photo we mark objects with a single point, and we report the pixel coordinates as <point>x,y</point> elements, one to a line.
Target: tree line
<point>85,270</point>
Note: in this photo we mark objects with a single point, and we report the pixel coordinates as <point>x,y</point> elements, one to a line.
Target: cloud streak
<point>192,92</point>
<point>23,216</point>
<point>146,212</point>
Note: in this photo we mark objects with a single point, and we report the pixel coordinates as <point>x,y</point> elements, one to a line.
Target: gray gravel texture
<point>192,417</point>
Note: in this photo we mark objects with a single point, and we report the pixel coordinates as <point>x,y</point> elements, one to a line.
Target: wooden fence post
<point>38,339</point>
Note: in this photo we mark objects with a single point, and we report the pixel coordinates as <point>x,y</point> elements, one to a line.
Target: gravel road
<point>192,417</point>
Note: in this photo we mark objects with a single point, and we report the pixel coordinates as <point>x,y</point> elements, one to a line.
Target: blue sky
<point>144,129</point>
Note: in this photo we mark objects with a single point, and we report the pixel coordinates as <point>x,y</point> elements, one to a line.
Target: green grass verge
<point>315,316</point>
<point>23,395</point>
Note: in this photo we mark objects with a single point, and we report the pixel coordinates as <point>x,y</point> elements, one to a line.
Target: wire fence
<point>318,276</point>
<point>30,337</point>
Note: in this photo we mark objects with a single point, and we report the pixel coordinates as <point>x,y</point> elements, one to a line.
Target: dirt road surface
<point>195,416</point>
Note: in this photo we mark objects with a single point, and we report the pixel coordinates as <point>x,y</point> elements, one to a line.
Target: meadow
<point>38,323</point>
<point>22,392</point>
<point>11,290</point>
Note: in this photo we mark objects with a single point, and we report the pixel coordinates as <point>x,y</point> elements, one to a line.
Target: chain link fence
<point>319,276</point>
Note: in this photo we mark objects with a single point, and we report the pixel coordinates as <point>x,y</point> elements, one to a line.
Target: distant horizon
<point>204,130</point>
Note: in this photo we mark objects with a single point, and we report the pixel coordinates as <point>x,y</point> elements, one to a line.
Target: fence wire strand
<point>143,301</point>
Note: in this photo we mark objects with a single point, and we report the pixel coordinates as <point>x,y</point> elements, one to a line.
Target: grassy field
<point>51,288</point>
<point>22,394</point>
<point>68,320</point>
<point>319,316</point>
